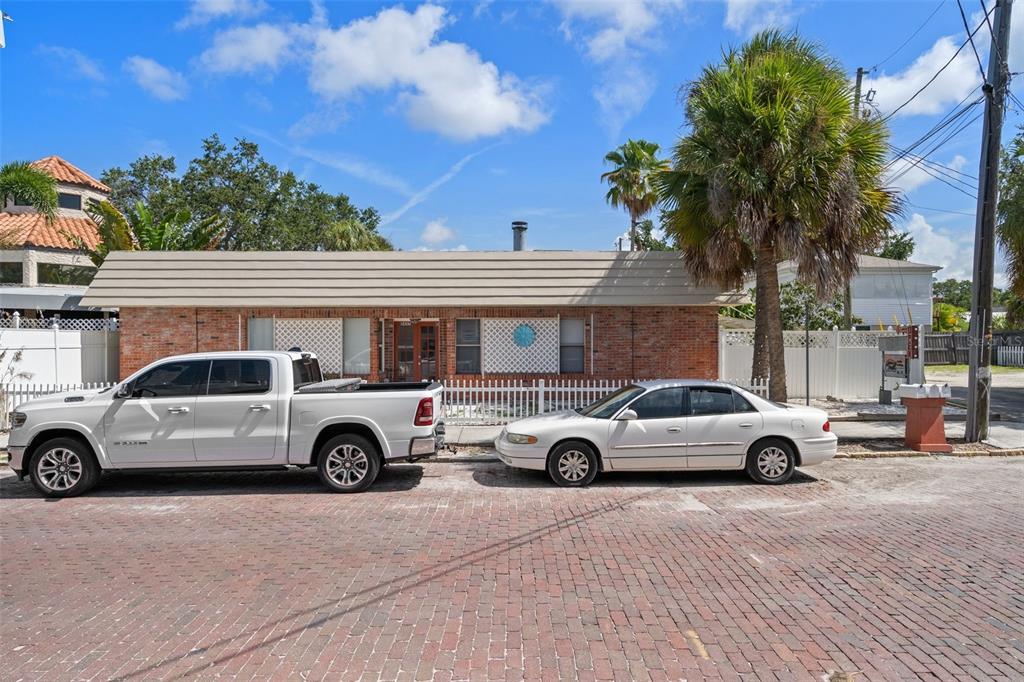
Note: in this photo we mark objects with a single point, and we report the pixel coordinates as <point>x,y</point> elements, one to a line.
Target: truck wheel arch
<point>339,428</point>
<point>47,434</point>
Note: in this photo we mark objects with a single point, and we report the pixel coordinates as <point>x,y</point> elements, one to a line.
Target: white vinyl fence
<point>495,402</point>
<point>843,364</point>
<point>1010,356</point>
<point>13,395</point>
<point>55,354</point>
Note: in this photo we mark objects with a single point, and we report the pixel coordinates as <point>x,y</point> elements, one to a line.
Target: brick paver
<point>891,569</point>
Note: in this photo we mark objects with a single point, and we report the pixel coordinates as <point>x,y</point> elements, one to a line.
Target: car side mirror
<point>627,416</point>
<point>124,391</point>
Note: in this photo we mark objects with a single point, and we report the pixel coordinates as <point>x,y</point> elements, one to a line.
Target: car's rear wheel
<point>63,467</point>
<point>348,463</point>
<point>771,461</point>
<point>572,464</point>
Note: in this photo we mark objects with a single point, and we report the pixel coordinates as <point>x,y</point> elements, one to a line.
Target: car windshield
<point>606,407</point>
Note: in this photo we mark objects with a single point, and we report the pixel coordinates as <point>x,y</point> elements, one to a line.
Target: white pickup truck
<point>215,411</point>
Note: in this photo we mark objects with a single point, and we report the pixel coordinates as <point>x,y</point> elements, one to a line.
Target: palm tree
<point>1010,216</point>
<point>20,181</point>
<point>776,166</point>
<point>353,235</point>
<point>631,182</point>
<point>138,230</point>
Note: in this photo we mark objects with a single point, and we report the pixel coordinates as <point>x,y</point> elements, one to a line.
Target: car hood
<point>66,398</point>
<point>547,420</point>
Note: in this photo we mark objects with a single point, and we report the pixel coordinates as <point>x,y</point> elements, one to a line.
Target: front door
<point>656,439</point>
<point>156,424</point>
<point>415,351</point>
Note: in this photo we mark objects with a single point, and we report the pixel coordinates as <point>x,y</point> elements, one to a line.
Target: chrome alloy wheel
<point>772,462</point>
<point>59,469</point>
<point>573,465</point>
<point>347,465</point>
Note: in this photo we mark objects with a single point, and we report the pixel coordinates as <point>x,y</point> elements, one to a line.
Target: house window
<point>58,273</point>
<point>21,201</point>
<point>10,273</point>
<point>72,201</point>
<point>570,346</point>
<point>467,346</point>
<point>356,345</point>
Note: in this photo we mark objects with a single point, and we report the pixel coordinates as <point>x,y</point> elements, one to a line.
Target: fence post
<point>56,350</point>
<point>721,353</point>
<point>16,319</point>
<point>541,397</point>
<point>835,362</point>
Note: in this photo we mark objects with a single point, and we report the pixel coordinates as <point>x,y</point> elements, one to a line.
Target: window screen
<point>664,404</point>
<point>570,345</point>
<point>355,345</point>
<point>57,273</point>
<point>10,273</point>
<point>467,346</point>
<point>239,377</point>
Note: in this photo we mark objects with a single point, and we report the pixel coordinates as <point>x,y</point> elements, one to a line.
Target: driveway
<point>890,569</point>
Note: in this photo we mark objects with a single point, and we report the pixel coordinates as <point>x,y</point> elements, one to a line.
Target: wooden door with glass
<point>415,356</point>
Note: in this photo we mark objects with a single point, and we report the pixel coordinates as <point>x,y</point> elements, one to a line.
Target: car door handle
<point>178,410</point>
<point>674,429</point>
<point>746,425</point>
<point>260,408</point>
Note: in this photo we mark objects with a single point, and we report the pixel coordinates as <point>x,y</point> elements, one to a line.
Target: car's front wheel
<point>63,467</point>
<point>572,464</point>
<point>348,463</point>
<point>771,461</point>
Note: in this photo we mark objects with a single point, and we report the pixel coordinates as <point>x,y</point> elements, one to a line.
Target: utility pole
<point>980,333</point>
<point>847,294</point>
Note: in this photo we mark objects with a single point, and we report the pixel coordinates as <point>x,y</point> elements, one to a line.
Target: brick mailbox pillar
<point>926,427</point>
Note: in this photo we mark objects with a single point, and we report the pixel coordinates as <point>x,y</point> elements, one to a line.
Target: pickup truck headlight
<point>18,419</point>
<point>520,439</point>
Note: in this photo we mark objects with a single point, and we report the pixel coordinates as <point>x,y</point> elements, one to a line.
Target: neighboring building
<point>885,291</point>
<point>45,272</point>
<point>421,315</point>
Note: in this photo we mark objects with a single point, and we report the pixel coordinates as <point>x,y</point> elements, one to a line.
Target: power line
<point>970,37</point>
<point>950,119</point>
<point>938,210</point>
<point>912,36</point>
<point>992,33</point>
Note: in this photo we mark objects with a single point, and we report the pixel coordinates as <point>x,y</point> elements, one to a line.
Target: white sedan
<point>670,426</point>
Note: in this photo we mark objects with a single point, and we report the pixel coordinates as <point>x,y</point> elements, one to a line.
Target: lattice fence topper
<point>320,336</point>
<point>818,339</point>
<point>85,324</point>
<point>520,346</point>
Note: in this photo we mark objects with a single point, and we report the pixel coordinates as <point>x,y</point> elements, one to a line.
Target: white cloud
<point>443,86</point>
<point>156,79</point>
<point>323,120</point>
<point>617,35</point>
<point>939,247</point>
<point>750,16</point>
<point>248,49</point>
<point>910,172</point>
<point>203,12</point>
<point>460,247</point>
<point>437,232</point>
<point>76,61</point>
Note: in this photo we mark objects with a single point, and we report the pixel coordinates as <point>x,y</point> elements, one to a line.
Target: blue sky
<point>453,119</point>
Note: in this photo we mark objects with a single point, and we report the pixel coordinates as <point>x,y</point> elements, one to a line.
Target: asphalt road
<point>1008,402</point>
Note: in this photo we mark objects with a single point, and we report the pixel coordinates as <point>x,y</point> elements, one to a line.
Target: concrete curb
<point>871,454</point>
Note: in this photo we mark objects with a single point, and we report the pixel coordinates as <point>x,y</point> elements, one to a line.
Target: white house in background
<point>45,272</point>
<point>885,291</point>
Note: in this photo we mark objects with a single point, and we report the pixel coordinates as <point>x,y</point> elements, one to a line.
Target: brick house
<point>418,315</point>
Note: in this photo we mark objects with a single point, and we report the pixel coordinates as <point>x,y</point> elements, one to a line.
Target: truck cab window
<point>171,380</point>
<point>239,377</point>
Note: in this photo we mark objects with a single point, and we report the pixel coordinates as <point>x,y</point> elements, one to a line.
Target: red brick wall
<point>628,343</point>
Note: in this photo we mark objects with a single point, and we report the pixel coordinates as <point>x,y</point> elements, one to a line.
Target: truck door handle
<point>178,410</point>
<point>746,425</point>
<point>260,408</point>
<point>674,429</point>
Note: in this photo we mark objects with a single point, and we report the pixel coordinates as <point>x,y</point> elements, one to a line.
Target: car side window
<point>171,380</point>
<point>239,377</point>
<point>665,403</point>
<point>741,404</point>
<point>710,400</point>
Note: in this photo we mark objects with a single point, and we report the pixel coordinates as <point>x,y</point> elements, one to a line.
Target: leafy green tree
<point>897,246</point>
<point>20,181</point>
<point>948,318</point>
<point>647,240</point>
<point>139,230</point>
<point>797,299</point>
<point>955,292</point>
<point>352,235</point>
<point>776,166</point>
<point>263,207</point>
<point>631,183</point>
<point>1010,212</point>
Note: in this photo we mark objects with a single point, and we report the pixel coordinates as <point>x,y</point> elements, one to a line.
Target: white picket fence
<point>1010,356</point>
<point>495,402</point>
<point>13,395</point>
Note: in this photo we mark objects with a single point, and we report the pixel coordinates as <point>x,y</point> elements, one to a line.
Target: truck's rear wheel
<point>348,463</point>
<point>63,467</point>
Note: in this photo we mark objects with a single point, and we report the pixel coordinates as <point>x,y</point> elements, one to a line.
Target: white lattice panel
<point>320,336</point>
<point>520,346</point>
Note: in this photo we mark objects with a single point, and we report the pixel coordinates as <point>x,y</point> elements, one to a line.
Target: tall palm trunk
<point>761,370</point>
<point>768,323</point>
<point>632,231</point>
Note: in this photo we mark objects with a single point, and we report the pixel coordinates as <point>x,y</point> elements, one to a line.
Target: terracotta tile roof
<point>63,171</point>
<point>31,229</point>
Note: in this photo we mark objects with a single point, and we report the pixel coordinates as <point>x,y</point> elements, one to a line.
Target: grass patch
<point>962,369</point>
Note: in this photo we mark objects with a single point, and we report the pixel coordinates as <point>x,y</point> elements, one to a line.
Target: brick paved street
<point>892,569</point>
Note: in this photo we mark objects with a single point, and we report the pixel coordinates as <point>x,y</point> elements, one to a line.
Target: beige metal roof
<point>397,278</point>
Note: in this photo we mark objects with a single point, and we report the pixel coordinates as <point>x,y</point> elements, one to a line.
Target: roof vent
<point>518,235</point>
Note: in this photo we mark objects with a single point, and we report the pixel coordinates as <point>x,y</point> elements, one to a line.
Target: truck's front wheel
<point>348,463</point>
<point>63,467</point>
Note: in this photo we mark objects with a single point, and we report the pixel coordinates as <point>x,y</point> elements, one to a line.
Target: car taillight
<point>826,426</point>
<point>424,413</point>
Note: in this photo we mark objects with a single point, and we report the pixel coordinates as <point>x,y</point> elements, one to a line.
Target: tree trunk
<point>632,232</point>
<point>760,369</point>
<point>768,321</point>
